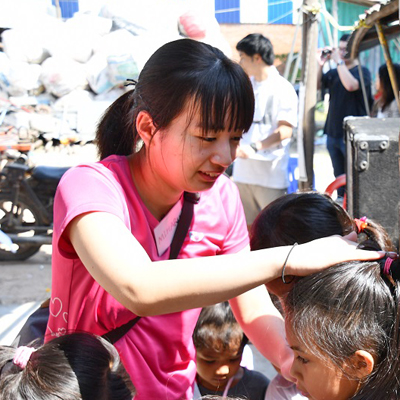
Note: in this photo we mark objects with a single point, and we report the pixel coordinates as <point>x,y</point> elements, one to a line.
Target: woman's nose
<point>224,154</point>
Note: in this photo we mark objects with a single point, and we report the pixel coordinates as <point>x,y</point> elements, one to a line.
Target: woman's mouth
<point>210,176</point>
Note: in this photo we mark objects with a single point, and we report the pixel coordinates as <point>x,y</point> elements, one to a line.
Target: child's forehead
<point>218,349</point>
<point>291,336</point>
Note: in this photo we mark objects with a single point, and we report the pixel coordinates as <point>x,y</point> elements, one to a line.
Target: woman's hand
<point>318,254</point>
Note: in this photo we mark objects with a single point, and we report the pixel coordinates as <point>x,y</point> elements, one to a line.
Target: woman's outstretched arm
<point>121,266</point>
<point>264,326</point>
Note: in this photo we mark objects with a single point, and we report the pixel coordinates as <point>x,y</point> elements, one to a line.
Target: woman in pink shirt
<point>177,131</point>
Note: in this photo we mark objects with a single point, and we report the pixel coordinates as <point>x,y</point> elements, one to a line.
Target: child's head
<point>298,217</point>
<point>343,325</point>
<point>219,342</point>
<point>78,366</point>
<point>385,84</point>
<point>181,76</point>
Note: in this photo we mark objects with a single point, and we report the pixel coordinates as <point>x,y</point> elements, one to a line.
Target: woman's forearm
<point>121,266</point>
<point>263,325</point>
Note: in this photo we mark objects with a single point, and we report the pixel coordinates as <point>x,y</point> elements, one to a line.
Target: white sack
<point>60,75</point>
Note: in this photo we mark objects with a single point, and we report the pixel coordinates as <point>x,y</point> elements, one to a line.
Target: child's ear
<point>362,363</point>
<point>145,127</point>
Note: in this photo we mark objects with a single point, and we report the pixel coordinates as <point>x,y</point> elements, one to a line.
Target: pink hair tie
<point>388,263</point>
<point>22,356</point>
<point>361,223</point>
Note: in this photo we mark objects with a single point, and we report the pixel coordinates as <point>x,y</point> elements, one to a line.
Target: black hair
<point>179,74</point>
<point>373,236</point>
<point>78,366</point>
<point>217,326</point>
<point>255,43</point>
<point>345,37</point>
<point>386,85</point>
<point>299,217</point>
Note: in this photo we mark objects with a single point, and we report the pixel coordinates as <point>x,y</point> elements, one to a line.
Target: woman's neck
<point>158,198</point>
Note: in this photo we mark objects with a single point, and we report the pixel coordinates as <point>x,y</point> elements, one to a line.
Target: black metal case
<point>372,178</point>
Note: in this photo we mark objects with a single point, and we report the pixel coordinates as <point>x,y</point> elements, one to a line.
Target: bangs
<point>224,101</point>
<point>220,338</point>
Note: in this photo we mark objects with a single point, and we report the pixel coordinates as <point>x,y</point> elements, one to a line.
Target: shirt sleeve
<point>84,189</point>
<point>288,105</point>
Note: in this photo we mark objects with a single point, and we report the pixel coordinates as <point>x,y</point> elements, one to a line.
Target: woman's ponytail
<point>116,131</point>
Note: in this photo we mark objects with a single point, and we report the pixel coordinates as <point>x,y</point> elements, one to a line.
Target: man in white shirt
<point>261,168</point>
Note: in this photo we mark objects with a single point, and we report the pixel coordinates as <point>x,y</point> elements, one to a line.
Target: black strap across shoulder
<point>190,199</point>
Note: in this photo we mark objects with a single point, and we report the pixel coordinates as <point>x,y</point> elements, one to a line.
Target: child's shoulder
<point>255,377</point>
<point>253,385</point>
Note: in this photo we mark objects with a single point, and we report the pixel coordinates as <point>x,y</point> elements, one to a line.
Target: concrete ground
<point>23,285</point>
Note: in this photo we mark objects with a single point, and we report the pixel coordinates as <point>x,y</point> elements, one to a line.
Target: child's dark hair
<point>217,328</point>
<point>255,43</point>
<point>306,216</point>
<point>71,367</point>
<point>180,73</point>
<point>299,217</point>
<point>386,84</point>
<point>372,235</point>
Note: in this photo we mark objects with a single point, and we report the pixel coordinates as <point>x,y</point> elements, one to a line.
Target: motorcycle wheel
<point>27,215</point>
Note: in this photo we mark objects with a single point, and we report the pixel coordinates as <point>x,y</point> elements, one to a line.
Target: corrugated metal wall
<point>280,12</point>
<point>227,11</point>
<point>68,7</point>
<point>235,11</point>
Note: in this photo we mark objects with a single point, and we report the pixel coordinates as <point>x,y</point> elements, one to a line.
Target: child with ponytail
<point>343,326</point>
<point>77,366</point>
<point>342,323</point>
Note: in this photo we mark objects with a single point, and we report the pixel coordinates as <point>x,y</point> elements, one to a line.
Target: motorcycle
<point>26,207</point>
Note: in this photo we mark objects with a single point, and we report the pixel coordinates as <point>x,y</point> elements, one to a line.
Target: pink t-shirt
<point>157,352</point>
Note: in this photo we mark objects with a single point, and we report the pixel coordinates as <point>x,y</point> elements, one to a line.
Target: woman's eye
<point>302,360</point>
<point>209,361</point>
<point>207,139</point>
<point>237,138</point>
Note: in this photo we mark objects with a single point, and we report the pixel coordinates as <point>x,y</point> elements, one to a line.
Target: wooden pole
<point>309,81</point>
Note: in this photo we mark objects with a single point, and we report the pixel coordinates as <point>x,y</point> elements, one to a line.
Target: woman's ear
<point>362,364</point>
<point>145,127</point>
<point>257,58</point>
